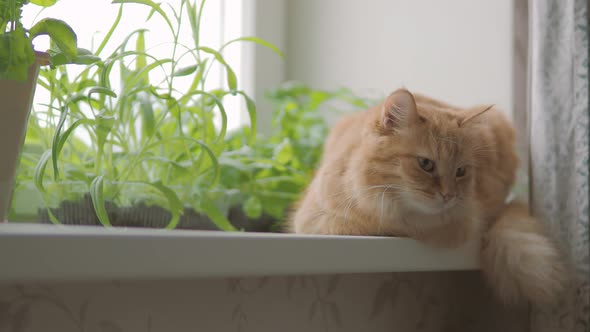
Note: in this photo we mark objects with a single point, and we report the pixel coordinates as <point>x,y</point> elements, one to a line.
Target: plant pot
<point>81,212</point>
<point>17,99</point>
<point>70,203</point>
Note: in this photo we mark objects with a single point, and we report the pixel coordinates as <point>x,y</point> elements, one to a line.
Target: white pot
<point>16,99</point>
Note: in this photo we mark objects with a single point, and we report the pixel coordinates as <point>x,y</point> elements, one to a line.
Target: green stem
<point>176,34</point>
<point>111,30</point>
<point>198,28</point>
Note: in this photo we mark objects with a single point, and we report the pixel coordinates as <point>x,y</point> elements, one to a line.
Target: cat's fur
<point>372,182</point>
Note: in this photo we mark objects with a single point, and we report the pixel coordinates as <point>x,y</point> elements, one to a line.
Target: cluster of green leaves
<point>16,42</point>
<point>150,142</point>
<point>270,174</point>
<point>166,143</point>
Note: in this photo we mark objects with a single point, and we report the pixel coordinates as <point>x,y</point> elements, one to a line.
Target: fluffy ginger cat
<point>417,167</point>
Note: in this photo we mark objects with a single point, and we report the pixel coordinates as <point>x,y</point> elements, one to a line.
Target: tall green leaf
<point>141,60</point>
<point>68,132</point>
<point>174,204</point>
<point>97,196</point>
<point>185,71</point>
<point>54,146</point>
<point>251,108</point>
<point>148,119</point>
<point>102,91</point>
<point>109,34</point>
<point>40,170</point>
<point>258,41</point>
<point>232,81</point>
<point>154,7</point>
<point>216,216</point>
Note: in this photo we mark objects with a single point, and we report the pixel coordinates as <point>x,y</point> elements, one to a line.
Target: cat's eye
<point>426,164</point>
<point>460,172</point>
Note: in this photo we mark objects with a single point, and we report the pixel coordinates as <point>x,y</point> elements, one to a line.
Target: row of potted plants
<point>158,154</point>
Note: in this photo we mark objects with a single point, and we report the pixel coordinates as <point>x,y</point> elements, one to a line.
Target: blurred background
<point>461,51</point>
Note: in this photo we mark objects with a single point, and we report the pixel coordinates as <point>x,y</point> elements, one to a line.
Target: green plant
<point>266,177</point>
<point>158,136</point>
<point>166,143</point>
<point>16,42</point>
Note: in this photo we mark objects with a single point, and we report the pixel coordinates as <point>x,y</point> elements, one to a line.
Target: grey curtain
<point>558,134</point>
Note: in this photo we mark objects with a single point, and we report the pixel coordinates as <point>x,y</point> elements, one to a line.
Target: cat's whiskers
<point>350,204</point>
<point>478,151</point>
<point>444,139</point>
<point>484,148</point>
<point>363,189</point>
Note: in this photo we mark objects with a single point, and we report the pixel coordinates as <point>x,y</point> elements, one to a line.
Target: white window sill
<point>61,253</point>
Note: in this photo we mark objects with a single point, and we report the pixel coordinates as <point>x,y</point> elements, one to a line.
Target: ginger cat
<point>414,166</point>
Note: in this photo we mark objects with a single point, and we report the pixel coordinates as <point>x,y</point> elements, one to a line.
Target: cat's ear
<point>473,113</point>
<point>399,109</point>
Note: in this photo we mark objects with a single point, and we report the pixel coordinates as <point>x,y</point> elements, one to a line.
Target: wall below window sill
<point>32,252</point>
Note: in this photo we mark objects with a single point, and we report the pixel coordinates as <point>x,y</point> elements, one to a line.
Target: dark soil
<point>82,213</point>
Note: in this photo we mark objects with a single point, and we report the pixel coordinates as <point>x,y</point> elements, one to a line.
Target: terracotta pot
<point>15,106</point>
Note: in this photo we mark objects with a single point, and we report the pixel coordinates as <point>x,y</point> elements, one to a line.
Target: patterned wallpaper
<point>445,301</point>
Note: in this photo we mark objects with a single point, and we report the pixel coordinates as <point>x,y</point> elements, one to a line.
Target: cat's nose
<point>447,196</point>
